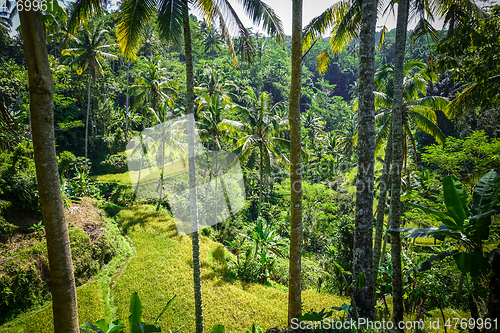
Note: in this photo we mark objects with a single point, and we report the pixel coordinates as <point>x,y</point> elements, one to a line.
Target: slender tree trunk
<point>261,178</point>
<point>139,177</point>
<point>397,158</point>
<point>162,171</point>
<point>87,121</point>
<point>363,246</point>
<point>41,87</point>
<point>198,303</point>
<point>294,284</point>
<point>127,101</point>
<point>384,186</point>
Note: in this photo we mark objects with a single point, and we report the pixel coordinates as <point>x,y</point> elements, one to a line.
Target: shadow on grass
<point>134,217</point>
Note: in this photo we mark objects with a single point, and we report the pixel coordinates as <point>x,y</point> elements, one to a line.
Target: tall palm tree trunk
<point>261,178</point>
<point>294,284</point>
<point>397,158</point>
<point>41,87</point>
<point>198,303</point>
<point>87,121</point>
<point>363,246</point>
<point>127,99</point>
<point>384,187</point>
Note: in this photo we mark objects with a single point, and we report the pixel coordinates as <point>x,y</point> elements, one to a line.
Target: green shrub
<point>25,278</point>
<point>18,181</point>
<point>111,209</point>
<point>116,163</point>
<point>64,162</point>
<point>6,227</point>
<point>21,286</point>
<point>118,194</point>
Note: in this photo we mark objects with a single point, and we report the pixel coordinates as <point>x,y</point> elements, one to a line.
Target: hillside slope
<point>162,267</point>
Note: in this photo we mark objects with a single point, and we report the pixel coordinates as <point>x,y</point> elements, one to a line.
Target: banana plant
<point>137,324</point>
<point>265,240</point>
<point>469,226</point>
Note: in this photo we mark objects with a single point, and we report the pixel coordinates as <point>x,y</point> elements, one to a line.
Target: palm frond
<point>382,100</point>
<point>383,117</point>
<point>434,102</point>
<point>135,15</point>
<point>222,7</point>
<point>382,37</point>
<point>261,13</point>
<point>318,27</point>
<point>425,111</point>
<point>423,28</point>
<point>323,61</point>
<point>170,16</point>
<point>231,124</point>
<point>106,55</point>
<point>83,10</point>
<point>383,135</point>
<point>426,125</point>
<point>346,25</point>
<point>467,99</point>
<point>227,38</point>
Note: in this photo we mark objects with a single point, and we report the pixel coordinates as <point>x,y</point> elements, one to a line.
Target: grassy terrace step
<point>162,267</point>
<point>90,305</point>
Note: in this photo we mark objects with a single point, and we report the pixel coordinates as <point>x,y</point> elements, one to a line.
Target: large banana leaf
<point>101,326</point>
<point>438,233</point>
<point>456,200</point>
<point>427,264</point>
<point>440,216</point>
<point>135,313</point>
<point>474,263</point>
<point>479,225</point>
<point>484,192</point>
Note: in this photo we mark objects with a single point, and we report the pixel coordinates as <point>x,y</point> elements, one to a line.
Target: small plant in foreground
<point>38,228</point>
<point>137,324</point>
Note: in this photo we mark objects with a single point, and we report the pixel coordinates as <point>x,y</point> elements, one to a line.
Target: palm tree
<point>397,159</point>
<point>294,284</point>
<point>153,88</point>
<point>261,48</point>
<point>347,136</point>
<point>211,121</point>
<point>88,53</point>
<point>212,40</point>
<point>212,80</point>
<point>166,134</point>
<point>362,263</point>
<point>418,111</point>
<point>63,290</point>
<point>213,127</point>
<point>314,126</point>
<point>263,134</point>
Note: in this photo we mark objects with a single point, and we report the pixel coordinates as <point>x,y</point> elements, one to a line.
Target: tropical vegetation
<point>347,171</point>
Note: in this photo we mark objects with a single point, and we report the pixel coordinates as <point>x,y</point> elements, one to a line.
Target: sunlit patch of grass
<point>147,174</point>
<point>121,178</point>
<point>90,308</point>
<point>162,267</point>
